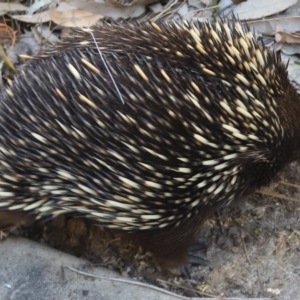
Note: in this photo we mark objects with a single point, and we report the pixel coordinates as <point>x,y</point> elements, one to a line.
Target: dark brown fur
<point>12,219</point>
<point>170,245</point>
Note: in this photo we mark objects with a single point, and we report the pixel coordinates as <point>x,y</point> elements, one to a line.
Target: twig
<point>130,282</point>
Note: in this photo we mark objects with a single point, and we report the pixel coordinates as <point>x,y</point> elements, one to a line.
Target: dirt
<point>253,248</point>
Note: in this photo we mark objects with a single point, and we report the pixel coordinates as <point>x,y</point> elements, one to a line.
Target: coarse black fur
<point>150,137</point>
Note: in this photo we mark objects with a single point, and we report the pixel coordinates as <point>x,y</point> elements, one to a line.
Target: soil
<point>253,248</point>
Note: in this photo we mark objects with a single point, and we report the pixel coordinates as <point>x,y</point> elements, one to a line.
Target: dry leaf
<point>254,9</point>
<point>285,37</point>
<point>156,8</point>
<point>291,49</point>
<point>70,16</point>
<point>270,26</point>
<point>293,67</point>
<point>115,9</point>
<point>281,246</point>
<point>41,17</point>
<point>37,5</point>
<point>11,7</point>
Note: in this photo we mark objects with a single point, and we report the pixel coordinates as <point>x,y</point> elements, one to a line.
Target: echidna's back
<point>166,122</point>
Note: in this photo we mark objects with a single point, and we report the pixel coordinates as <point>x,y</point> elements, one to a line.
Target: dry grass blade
<point>276,195</point>
<point>297,186</point>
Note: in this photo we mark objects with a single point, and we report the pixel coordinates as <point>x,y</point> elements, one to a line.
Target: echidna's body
<point>197,116</point>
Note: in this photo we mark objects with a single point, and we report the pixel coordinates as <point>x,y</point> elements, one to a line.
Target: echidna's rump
<point>146,129</point>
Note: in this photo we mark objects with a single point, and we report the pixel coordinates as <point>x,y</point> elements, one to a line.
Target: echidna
<point>146,128</point>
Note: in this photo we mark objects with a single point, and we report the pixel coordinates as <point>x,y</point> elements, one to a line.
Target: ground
<point>253,249</point>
